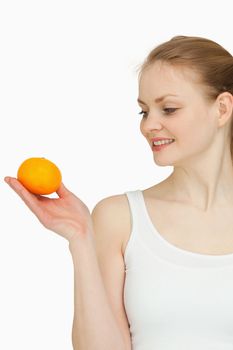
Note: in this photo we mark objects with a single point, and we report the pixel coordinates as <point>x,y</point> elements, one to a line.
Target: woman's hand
<point>67,215</point>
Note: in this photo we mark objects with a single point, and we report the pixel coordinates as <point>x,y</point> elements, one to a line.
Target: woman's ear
<point>225,107</point>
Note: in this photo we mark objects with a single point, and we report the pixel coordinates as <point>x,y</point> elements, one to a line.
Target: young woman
<point>153,268</point>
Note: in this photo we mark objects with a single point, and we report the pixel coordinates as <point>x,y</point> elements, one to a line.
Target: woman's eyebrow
<point>158,99</point>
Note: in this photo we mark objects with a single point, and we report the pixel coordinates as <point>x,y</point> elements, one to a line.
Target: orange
<point>39,175</point>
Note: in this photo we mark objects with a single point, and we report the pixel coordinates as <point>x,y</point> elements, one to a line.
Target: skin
<point>202,177</point>
<point>202,174</point>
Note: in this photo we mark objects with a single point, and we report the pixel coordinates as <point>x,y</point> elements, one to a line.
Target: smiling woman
<point>153,268</point>
<point>199,60</point>
<point>180,82</point>
<point>179,255</point>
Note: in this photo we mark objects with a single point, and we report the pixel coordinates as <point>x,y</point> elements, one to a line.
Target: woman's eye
<point>169,110</point>
<point>166,111</point>
<point>143,113</point>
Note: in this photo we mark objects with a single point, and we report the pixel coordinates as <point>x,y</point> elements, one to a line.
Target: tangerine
<point>39,175</point>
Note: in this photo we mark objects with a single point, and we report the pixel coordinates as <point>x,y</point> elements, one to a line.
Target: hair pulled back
<point>212,63</point>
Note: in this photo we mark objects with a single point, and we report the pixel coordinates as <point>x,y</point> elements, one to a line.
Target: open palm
<point>67,215</point>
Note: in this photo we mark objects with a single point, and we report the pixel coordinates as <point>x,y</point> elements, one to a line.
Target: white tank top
<point>174,299</point>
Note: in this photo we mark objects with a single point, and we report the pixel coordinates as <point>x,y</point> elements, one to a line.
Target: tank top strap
<point>135,206</point>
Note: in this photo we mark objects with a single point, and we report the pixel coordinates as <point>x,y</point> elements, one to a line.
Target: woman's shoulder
<point>112,204</point>
<point>114,213</point>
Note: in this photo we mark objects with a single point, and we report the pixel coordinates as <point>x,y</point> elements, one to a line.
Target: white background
<point>68,90</point>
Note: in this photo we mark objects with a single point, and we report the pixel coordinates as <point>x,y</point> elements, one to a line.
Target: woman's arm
<point>94,325</point>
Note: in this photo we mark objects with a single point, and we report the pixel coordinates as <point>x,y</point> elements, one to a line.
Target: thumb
<point>62,191</point>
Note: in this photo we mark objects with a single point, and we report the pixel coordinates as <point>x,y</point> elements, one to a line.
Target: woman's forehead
<point>163,70</point>
<point>162,75</point>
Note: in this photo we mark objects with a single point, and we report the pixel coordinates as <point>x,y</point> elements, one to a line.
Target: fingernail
<point>7,179</point>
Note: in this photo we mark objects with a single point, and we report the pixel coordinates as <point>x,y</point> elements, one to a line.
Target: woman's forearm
<point>94,324</point>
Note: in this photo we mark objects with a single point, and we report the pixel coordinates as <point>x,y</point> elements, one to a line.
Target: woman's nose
<point>151,122</point>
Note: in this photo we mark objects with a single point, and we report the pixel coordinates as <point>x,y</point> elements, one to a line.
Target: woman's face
<point>187,116</point>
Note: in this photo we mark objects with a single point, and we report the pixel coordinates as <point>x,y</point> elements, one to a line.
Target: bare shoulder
<point>114,214</point>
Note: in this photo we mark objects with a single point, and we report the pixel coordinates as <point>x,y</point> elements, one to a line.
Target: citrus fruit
<point>39,175</point>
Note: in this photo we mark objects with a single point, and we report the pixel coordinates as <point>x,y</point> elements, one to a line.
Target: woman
<point>161,276</point>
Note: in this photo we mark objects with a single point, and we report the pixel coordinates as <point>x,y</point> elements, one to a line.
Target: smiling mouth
<point>162,143</point>
<point>159,147</point>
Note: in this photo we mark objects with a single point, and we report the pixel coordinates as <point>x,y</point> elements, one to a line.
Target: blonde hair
<point>212,63</point>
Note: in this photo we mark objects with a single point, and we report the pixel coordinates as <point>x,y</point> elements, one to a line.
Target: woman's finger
<point>62,191</point>
<point>29,198</point>
<point>14,184</point>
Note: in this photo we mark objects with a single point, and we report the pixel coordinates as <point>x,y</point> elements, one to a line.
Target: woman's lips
<point>160,147</point>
